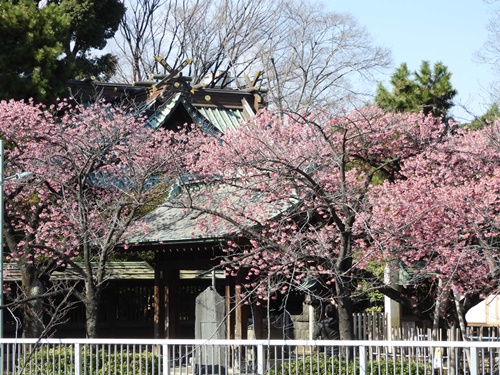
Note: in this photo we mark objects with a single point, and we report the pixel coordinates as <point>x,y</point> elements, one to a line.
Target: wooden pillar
<point>172,299</point>
<point>159,305</point>
<point>241,316</point>
<point>229,294</point>
<point>258,321</point>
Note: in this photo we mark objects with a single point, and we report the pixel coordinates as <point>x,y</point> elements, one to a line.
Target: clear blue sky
<point>450,31</point>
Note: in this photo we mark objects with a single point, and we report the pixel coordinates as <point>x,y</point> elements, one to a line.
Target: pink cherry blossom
<point>297,186</point>
<point>93,171</point>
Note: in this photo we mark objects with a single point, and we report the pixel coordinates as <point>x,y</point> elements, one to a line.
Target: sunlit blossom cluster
<point>93,168</point>
<point>300,187</point>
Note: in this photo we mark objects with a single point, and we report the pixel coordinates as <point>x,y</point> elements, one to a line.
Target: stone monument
<point>210,325</point>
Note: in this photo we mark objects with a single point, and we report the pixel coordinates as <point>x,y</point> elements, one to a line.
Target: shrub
<point>315,365</point>
<point>398,367</point>
<point>60,360</point>
<point>319,365</point>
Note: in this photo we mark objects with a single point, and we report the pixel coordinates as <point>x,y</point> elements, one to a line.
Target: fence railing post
<point>472,357</point>
<point>362,360</point>
<point>473,360</point>
<point>78,358</point>
<point>261,359</point>
<point>166,359</point>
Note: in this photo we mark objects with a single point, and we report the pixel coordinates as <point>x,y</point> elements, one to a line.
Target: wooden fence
<point>370,326</point>
<point>373,326</point>
<point>473,333</point>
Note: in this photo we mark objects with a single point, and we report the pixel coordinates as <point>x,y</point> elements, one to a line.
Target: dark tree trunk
<point>343,288</point>
<point>91,301</point>
<point>345,309</point>
<point>32,287</point>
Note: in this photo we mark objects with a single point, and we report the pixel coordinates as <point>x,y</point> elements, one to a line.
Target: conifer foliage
<point>46,43</point>
<point>428,90</point>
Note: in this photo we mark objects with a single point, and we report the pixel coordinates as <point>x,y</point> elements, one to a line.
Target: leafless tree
<point>490,52</point>
<point>216,34</point>
<point>51,309</point>
<point>321,58</point>
<point>309,56</point>
<point>139,34</point>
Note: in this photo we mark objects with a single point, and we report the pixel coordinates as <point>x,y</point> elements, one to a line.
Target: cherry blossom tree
<point>444,216</point>
<point>297,188</point>
<point>94,169</point>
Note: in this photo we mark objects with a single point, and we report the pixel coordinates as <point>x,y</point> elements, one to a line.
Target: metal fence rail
<point>247,357</point>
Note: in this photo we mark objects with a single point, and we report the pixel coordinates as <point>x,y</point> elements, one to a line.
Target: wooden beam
<point>251,84</point>
<point>256,78</point>
<point>189,263</point>
<point>230,320</point>
<point>172,298</point>
<point>159,306</point>
<point>163,63</point>
<point>241,316</point>
<point>258,321</point>
<point>173,72</point>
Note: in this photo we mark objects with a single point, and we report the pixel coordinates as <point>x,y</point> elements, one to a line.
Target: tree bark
<point>437,313</point>
<point>343,288</point>
<point>32,287</point>
<point>91,301</point>
<point>462,323</point>
<point>345,309</point>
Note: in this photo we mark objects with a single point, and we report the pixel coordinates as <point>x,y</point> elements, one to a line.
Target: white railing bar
<point>182,357</point>
<point>78,356</point>
<point>166,356</point>
<point>473,361</point>
<point>193,342</point>
<point>362,360</point>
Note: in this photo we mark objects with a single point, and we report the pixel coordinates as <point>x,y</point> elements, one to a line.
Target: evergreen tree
<point>487,119</point>
<point>44,44</point>
<point>428,90</point>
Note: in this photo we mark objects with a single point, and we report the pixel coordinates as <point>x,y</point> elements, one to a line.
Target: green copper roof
<point>116,271</point>
<point>222,119</point>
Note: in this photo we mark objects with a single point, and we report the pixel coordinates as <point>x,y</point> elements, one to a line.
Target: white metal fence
<point>226,357</point>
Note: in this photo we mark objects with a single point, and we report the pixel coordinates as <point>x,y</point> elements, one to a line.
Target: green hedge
<point>319,365</point>
<point>60,361</point>
<point>316,365</point>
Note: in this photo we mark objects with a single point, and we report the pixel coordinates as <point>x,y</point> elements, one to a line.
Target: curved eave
<point>180,243</point>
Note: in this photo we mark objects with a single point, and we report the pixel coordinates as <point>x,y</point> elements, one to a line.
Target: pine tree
<point>46,44</point>
<point>492,114</point>
<point>428,90</point>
